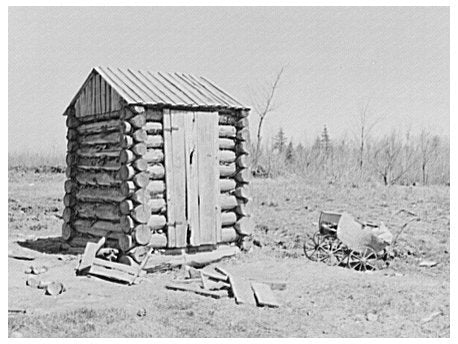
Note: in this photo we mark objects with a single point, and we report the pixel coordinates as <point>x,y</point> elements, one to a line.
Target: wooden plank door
<point>175,177</point>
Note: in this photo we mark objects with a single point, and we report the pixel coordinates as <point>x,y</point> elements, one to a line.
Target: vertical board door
<point>192,178</point>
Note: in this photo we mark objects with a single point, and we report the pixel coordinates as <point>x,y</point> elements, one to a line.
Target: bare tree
<point>428,148</point>
<point>263,105</point>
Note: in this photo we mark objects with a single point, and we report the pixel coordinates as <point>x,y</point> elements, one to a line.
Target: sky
<point>336,59</point>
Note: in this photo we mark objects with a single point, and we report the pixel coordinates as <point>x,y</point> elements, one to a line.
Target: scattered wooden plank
<point>241,288</point>
<point>214,275</point>
<point>264,295</point>
<point>113,274</point>
<point>214,294</point>
<point>89,255</point>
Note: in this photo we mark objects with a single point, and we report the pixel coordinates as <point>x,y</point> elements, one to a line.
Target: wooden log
<point>125,242</point>
<point>242,161</point>
<point>126,206</point>
<point>156,171</point>
<point>126,172</point>
<point>154,156</point>
<point>226,144</point>
<point>102,138</point>
<point>126,156</point>
<point>153,127</point>
<point>138,253</point>
<point>140,164</point>
<point>72,122</point>
<point>72,146</point>
<point>226,156</point>
<point>243,193</point>
<point>141,196</point>
<point>154,115</point>
<point>70,171</point>
<point>154,141</point>
<point>104,126</point>
<point>97,194</point>
<point>158,240</point>
<point>142,234</point>
<point>242,147</point>
<point>228,234</point>
<point>102,211</point>
<point>108,164</point>
<point>243,113</point>
<point>67,232</point>
<point>227,202</point>
<point>98,151</point>
<point>68,214</point>
<point>138,121</point>
<point>141,179</point>
<point>72,135</point>
<point>244,226</point>
<point>227,184</point>
<point>139,135</point>
<point>127,141</point>
<point>101,116</point>
<point>139,149</point>
<point>242,123</point>
<point>156,222</point>
<point>157,205</point>
<point>71,159</point>
<point>70,186</point>
<point>141,213</point>
<point>228,218</point>
<point>97,178</point>
<point>98,226</point>
<point>243,176</point>
<point>243,208</point>
<point>227,170</point>
<point>126,223</point>
<point>243,134</point>
<point>69,200</point>
<point>227,131</point>
<point>127,188</point>
<point>227,119</point>
<point>155,187</point>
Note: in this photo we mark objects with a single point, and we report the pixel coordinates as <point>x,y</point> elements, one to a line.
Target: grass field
<point>320,301</point>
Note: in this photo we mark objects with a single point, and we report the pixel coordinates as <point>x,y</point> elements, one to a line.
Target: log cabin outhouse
<point>156,160</point>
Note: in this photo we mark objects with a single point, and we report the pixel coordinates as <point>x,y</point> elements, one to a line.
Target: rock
<point>428,263</point>
<point>141,313</point>
<point>32,282</point>
<point>54,288</point>
<point>371,317</point>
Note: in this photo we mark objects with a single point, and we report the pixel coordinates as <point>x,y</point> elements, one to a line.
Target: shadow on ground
<point>49,245</point>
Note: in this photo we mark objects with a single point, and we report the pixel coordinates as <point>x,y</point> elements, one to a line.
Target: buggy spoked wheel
<point>313,247</point>
<point>334,251</point>
<point>365,260</point>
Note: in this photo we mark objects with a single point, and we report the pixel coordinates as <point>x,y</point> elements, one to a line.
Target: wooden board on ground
<point>241,288</point>
<point>89,255</point>
<point>183,287</point>
<point>264,295</point>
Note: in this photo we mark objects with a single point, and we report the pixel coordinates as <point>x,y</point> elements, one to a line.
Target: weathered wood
<point>89,226</point>
<point>138,121</point>
<point>127,141</point>
<point>156,222</point>
<point>141,179</point>
<point>139,135</point>
<point>70,171</point>
<point>241,289</point>
<point>93,194</point>
<point>243,176</point>
<point>126,172</point>
<point>244,226</point>
<point>108,164</point>
<point>217,294</point>
<point>138,253</point>
<point>97,178</point>
<point>126,223</point>
<point>242,147</point>
<point>139,149</point>
<point>243,208</point>
<point>141,213</point>
<point>156,171</point>
<point>154,115</point>
<point>72,134</point>
<point>69,200</point>
<point>243,113</point>
<point>102,211</point>
<point>229,234</point>
<point>116,114</point>
<point>264,295</point>
<point>89,254</point>
<point>142,234</point>
<point>140,164</point>
<point>228,144</point>
<point>157,205</point>
<point>242,161</point>
<point>70,186</point>
<point>120,276</point>
<point>126,206</point>
<point>242,123</point>
<point>98,151</point>
<point>154,141</point>
<point>72,122</point>
<point>227,184</point>
<point>68,214</point>
<point>126,156</point>
<point>243,134</point>
<point>153,128</point>
<point>102,138</point>
<point>125,242</point>
<point>228,218</point>
<point>227,131</point>
<point>227,170</point>
<point>158,240</point>
<point>227,202</point>
<point>67,231</point>
<point>227,119</point>
<point>155,187</point>
<point>71,159</point>
<point>141,196</point>
<point>72,146</point>
<point>127,188</point>
<point>154,156</point>
<point>243,193</point>
<point>226,156</point>
<point>104,127</point>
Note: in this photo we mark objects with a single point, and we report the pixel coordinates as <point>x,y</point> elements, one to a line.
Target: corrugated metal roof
<point>168,89</point>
